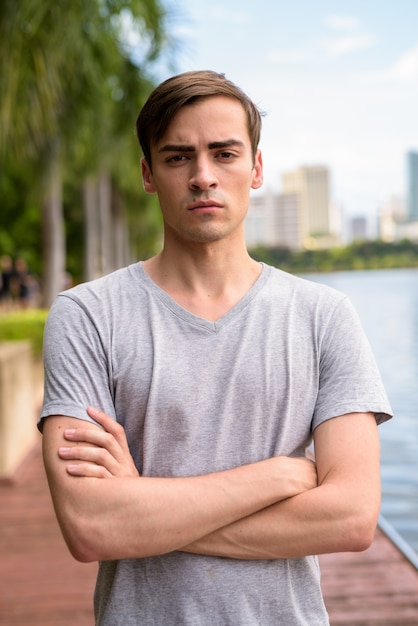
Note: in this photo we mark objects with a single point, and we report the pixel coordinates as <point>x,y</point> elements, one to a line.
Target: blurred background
<point>338,84</point>
<point>337,81</point>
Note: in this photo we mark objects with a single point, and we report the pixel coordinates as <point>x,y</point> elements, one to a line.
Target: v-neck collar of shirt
<point>191,318</point>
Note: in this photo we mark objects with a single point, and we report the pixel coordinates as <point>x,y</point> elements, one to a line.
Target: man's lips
<point>205,204</point>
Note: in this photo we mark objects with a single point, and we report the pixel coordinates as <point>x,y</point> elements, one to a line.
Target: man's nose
<point>203,175</point>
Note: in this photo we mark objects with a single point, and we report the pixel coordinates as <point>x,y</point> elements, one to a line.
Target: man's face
<point>203,170</point>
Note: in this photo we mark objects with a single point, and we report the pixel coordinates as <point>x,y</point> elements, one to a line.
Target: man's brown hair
<point>176,92</point>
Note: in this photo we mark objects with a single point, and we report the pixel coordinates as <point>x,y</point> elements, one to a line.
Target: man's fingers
<point>88,469</point>
<point>99,447</point>
<point>106,448</point>
<point>97,456</point>
<point>109,424</point>
<point>91,435</point>
<point>101,418</point>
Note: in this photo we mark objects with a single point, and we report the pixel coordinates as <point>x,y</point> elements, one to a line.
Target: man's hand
<point>99,453</point>
<point>105,454</point>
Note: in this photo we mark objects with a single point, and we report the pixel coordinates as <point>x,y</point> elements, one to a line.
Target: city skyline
<point>338,83</point>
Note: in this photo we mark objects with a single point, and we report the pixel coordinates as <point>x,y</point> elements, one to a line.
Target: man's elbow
<point>79,538</point>
<point>88,542</point>
<point>82,552</point>
<point>360,531</point>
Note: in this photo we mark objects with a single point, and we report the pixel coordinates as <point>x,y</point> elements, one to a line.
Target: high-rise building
<point>272,220</point>
<point>412,196</point>
<point>358,228</point>
<point>299,217</point>
<point>391,214</point>
<point>311,186</point>
<point>286,224</point>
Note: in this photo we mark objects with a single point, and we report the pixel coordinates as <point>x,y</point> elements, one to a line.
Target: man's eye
<point>226,155</point>
<point>176,158</point>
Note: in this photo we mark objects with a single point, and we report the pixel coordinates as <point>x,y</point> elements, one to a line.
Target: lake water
<point>387,302</point>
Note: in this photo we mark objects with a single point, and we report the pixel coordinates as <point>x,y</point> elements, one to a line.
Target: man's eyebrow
<point>171,147</point>
<point>213,145</point>
<point>229,143</point>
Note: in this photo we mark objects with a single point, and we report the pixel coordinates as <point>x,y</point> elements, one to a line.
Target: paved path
<point>378,587</point>
<point>40,583</point>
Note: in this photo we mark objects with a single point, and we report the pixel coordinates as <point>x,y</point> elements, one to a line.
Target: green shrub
<point>24,325</point>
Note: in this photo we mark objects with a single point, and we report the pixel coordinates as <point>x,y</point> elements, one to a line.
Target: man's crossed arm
<point>277,508</point>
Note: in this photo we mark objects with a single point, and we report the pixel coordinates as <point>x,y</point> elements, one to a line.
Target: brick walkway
<point>40,582</point>
<point>42,585</point>
<point>378,587</point>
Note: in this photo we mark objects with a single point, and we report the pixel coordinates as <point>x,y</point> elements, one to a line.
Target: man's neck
<point>207,281</point>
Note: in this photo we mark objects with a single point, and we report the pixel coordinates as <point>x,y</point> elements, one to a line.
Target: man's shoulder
<point>110,284</point>
<point>302,287</point>
<point>102,297</point>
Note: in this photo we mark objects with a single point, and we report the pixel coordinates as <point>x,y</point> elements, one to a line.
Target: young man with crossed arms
<point>212,373</point>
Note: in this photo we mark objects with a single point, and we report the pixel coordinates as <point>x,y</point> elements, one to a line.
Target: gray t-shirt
<point>196,397</point>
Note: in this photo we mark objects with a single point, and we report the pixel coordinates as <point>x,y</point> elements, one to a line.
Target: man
<point>212,373</point>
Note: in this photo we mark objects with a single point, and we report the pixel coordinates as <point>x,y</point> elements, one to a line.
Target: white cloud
<point>228,16</point>
<point>342,22</point>
<point>403,70</point>
<point>333,48</point>
<point>289,56</point>
<point>351,38</point>
<point>344,45</point>
<point>406,67</point>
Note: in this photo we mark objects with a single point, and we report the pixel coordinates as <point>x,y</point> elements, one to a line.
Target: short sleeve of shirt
<point>349,380</point>
<point>75,361</point>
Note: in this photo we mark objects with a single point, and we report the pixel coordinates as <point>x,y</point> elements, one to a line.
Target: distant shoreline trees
<point>361,255</point>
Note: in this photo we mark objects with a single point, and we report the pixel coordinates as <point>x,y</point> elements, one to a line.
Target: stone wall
<point>20,397</point>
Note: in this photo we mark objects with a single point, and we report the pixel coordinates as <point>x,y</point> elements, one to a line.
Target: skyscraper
<point>412,196</point>
<point>311,185</point>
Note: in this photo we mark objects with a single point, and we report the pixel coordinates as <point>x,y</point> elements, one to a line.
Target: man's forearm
<point>340,514</point>
<point>138,517</point>
<point>293,528</point>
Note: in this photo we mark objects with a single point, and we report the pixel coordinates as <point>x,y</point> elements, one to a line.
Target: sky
<point>337,81</point>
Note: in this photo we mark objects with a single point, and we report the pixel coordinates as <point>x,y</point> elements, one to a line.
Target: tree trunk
<point>120,231</point>
<point>91,228</point>
<point>105,220</point>
<point>54,251</point>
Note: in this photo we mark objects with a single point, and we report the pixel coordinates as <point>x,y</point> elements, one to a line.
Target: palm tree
<point>58,61</point>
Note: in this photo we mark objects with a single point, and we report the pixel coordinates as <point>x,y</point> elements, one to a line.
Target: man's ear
<point>257,179</point>
<point>147,179</point>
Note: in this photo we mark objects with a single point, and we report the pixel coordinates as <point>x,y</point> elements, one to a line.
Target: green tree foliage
<point>70,91</point>
<point>19,214</point>
<point>58,56</point>
<point>24,326</point>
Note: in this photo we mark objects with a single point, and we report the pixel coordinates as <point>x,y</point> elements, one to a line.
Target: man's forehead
<point>215,120</point>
